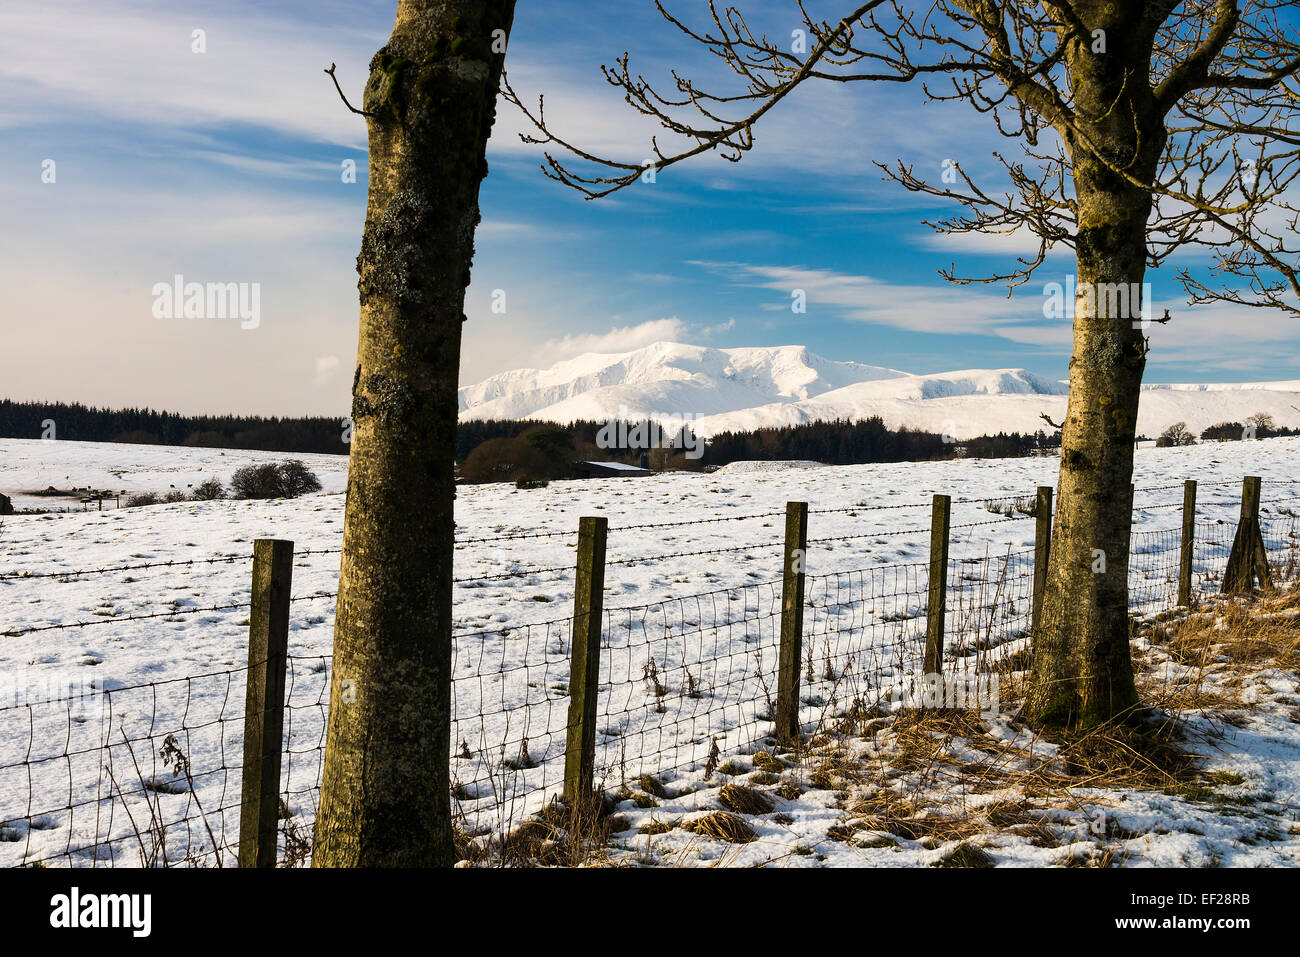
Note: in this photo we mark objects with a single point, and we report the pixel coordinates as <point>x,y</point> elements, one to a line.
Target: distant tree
<point>273,480</point>
<point>296,479</point>
<point>145,426</point>
<point>1177,434</point>
<point>505,460</point>
<point>1265,425</point>
<point>209,490</point>
<point>255,481</point>
<point>1223,432</point>
<point>554,453</point>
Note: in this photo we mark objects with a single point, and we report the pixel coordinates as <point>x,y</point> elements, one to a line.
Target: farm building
<point>607,470</point>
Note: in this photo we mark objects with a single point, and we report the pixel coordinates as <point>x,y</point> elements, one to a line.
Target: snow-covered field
<point>707,618</point>
<point>31,467</point>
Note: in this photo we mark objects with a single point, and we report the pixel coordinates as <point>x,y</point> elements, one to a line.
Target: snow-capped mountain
<point>661,378</point>
<point>732,389</point>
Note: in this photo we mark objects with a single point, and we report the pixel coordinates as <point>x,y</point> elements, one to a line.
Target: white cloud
<point>709,331</point>
<point>946,310</point>
<point>624,339</point>
<point>134,62</point>
<point>1059,334</point>
<point>495,344</point>
<point>326,366</point>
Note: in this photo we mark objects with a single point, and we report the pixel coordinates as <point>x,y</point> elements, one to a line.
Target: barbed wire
<point>631,560</point>
<point>172,563</point>
<point>708,551</point>
<point>916,531</point>
<point>120,619</point>
<point>680,676</point>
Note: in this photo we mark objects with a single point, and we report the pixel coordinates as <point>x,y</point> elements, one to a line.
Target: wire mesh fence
<point>97,774</point>
<point>100,775</point>
<point>147,775</point>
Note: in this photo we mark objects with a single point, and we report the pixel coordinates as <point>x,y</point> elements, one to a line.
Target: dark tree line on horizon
<point>81,423</point>
<point>513,450</point>
<point>837,442</point>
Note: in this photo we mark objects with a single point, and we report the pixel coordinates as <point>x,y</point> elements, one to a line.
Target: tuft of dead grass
<point>744,800</point>
<point>652,785</point>
<point>722,826</point>
<point>966,854</point>
<point>765,761</point>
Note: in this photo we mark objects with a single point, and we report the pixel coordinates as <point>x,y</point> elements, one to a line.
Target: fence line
<point>153,773</point>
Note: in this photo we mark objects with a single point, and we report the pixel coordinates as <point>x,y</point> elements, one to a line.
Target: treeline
<point>506,450</point>
<point>81,423</point>
<point>1261,425</point>
<point>510,449</point>
<point>845,442</point>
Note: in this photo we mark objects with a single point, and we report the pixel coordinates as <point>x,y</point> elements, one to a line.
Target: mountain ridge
<point>740,389</point>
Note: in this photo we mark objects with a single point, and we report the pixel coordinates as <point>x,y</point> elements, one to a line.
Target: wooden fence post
<point>792,597</point>
<point>1188,544</point>
<point>268,650</point>
<point>1248,557</point>
<point>1042,551</point>
<point>941,514</point>
<point>584,667</point>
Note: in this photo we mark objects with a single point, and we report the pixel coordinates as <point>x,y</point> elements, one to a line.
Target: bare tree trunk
<point>1082,671</point>
<point>430,102</point>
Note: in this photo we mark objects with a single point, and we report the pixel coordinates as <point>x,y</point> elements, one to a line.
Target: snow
<point>718,390</point>
<point>30,466</point>
<point>512,645</point>
<point>744,468</point>
<point>618,466</point>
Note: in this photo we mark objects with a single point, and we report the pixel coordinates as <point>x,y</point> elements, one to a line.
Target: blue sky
<point>224,166</point>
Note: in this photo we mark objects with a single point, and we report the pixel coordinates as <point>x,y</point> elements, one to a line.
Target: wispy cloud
<point>862,298</point>
<point>623,339</point>
<point>136,62</point>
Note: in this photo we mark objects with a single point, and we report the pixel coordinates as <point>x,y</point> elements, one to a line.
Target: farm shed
<point>607,470</point>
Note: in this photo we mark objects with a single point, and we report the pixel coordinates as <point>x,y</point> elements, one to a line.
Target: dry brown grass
<point>909,815</point>
<point>652,786</point>
<point>766,762</point>
<point>744,800</point>
<point>788,790</point>
<point>1022,818</point>
<point>559,836</point>
<point>966,854</point>
<point>1227,640</point>
<point>722,826</point>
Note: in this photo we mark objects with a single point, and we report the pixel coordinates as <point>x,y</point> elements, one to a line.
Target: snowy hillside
<point>29,466</point>
<point>661,378</point>
<point>737,389</point>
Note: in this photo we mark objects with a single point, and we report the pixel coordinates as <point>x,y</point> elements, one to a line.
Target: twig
<point>330,71</point>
